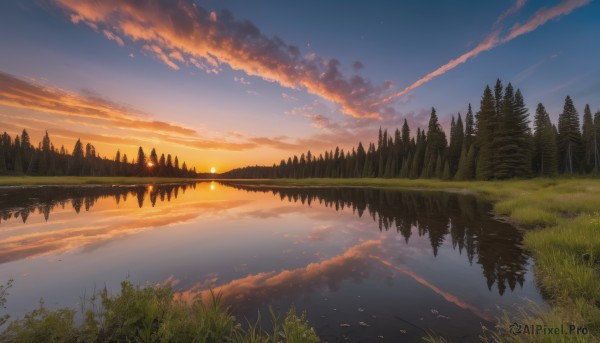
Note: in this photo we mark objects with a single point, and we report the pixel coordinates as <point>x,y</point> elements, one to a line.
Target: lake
<point>366,264</point>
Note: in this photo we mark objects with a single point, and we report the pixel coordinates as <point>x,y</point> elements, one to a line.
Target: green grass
<point>81,180</point>
<point>151,314</point>
<point>562,222</point>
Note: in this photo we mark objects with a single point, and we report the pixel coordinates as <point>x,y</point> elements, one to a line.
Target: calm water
<point>363,262</point>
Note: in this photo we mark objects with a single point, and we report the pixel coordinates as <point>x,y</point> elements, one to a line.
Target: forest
<point>19,157</point>
<point>494,143</point>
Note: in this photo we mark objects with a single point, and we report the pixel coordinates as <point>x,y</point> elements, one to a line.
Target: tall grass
<point>152,314</point>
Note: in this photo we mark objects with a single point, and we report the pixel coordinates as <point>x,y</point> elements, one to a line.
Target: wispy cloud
<point>513,9</point>
<point>207,40</point>
<point>241,80</point>
<point>112,36</point>
<point>494,39</point>
<point>542,16</point>
<point>15,92</point>
<point>88,112</point>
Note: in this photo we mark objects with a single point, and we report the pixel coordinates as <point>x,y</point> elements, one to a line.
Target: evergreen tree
<point>569,137</point>
<point>457,135</point>
<point>596,140</point>
<point>3,168</point>
<point>446,172</point>
<point>485,125</point>
<point>469,128</point>
<point>26,150</point>
<point>544,138</point>
<point>77,158</point>
<point>141,162</point>
<point>154,162</point>
<point>498,99</point>
<point>18,165</point>
<point>462,172</point>
<point>589,144</point>
<point>511,138</point>
<point>434,147</point>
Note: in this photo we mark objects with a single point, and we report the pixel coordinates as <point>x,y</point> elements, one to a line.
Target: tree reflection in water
<point>463,218</point>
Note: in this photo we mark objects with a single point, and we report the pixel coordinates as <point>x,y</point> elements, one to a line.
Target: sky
<point>226,84</point>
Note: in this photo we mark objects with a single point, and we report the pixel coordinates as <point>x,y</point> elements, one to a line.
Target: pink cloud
<point>112,36</point>
<point>186,27</point>
<point>492,40</point>
<point>543,16</point>
<point>513,9</point>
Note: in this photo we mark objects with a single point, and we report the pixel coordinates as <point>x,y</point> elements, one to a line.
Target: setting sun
<point>213,170</point>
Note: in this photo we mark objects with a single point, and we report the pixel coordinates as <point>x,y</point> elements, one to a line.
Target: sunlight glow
<point>213,170</point>
<point>150,164</point>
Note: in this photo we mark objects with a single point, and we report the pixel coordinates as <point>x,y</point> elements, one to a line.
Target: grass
<point>151,314</point>
<point>562,222</point>
<point>82,180</point>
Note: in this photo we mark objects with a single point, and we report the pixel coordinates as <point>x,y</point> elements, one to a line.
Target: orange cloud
<point>353,263</point>
<point>492,40</point>
<point>18,93</point>
<point>207,42</point>
<point>125,125</point>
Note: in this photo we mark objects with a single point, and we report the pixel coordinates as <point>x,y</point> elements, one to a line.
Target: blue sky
<point>258,103</point>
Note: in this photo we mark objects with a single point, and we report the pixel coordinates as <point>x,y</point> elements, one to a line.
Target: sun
<point>213,170</point>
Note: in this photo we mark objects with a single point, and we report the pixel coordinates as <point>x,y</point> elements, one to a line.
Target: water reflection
<point>410,261</point>
<point>462,218</point>
<point>113,220</point>
<point>20,202</point>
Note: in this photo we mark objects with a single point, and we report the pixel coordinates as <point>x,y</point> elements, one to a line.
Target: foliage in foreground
<point>151,314</point>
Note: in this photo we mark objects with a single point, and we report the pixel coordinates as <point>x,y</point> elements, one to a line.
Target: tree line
<point>494,143</point>
<point>19,157</point>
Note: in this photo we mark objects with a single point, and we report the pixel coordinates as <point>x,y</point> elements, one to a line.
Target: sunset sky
<point>232,83</point>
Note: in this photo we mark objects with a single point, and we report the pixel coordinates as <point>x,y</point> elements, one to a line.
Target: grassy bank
<point>151,314</point>
<point>562,222</point>
<point>85,180</point>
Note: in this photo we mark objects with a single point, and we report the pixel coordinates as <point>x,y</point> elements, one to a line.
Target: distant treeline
<point>494,143</point>
<point>19,157</point>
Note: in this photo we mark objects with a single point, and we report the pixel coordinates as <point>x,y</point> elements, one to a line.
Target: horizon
<point>226,85</point>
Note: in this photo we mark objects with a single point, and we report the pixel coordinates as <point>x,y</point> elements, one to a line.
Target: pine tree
<point>498,98</point>
<point>469,128</point>
<point>486,120</point>
<point>569,137</point>
<point>439,167</point>
<point>446,172</point>
<point>77,158</point>
<point>544,138</point>
<point>587,136</point>
<point>18,169</point>
<point>141,162</point>
<point>3,169</point>
<point>511,141</point>
<point>597,142</point>
<point>26,150</point>
<point>434,147</point>
<point>153,162</point>
<point>457,135</point>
